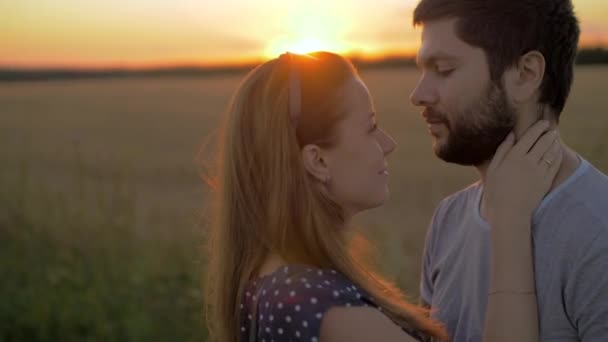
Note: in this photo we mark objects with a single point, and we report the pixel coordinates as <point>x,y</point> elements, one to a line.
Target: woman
<point>301,155</point>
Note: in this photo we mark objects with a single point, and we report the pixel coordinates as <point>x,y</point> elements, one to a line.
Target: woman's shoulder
<point>297,283</point>
<point>292,301</point>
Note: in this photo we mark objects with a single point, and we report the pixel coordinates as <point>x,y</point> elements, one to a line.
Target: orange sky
<point>137,33</point>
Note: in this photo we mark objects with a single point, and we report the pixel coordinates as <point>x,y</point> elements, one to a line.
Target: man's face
<point>467,114</point>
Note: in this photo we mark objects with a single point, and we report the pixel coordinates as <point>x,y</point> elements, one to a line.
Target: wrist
<point>512,264</point>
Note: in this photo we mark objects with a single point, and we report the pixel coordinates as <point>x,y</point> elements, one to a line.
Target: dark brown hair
<point>508,29</point>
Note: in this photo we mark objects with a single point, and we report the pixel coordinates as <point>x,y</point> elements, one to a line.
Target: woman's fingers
<point>552,158</point>
<point>525,143</point>
<point>543,145</point>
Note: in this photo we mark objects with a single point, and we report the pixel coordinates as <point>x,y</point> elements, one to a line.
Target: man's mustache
<point>434,116</point>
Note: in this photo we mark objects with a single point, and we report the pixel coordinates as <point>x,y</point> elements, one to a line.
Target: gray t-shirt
<point>570,236</point>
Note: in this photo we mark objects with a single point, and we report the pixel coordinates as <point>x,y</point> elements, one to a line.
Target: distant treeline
<point>585,56</point>
<point>592,56</point>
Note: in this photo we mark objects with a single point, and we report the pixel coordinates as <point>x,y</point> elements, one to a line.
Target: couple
<point>522,255</point>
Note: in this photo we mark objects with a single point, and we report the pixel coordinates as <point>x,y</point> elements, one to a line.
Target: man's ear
<point>523,81</point>
<point>315,163</point>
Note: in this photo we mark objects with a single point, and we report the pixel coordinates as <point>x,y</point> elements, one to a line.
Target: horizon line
<point>595,56</point>
<point>145,66</point>
<point>245,63</point>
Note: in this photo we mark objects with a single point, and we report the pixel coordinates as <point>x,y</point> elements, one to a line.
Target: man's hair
<point>508,29</point>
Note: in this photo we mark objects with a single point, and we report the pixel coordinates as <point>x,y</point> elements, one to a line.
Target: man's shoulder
<point>586,198</point>
<point>577,214</point>
<point>459,200</point>
<point>594,189</point>
<point>455,212</point>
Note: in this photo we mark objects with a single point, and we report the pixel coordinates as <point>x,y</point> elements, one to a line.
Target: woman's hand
<point>517,179</point>
<point>520,175</point>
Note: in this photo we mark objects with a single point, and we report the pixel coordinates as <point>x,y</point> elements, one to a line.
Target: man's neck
<point>570,163</point>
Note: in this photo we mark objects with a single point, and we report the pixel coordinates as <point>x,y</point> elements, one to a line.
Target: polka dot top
<point>292,300</point>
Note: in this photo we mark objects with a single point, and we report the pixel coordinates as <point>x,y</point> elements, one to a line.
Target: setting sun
<point>309,46</point>
<point>303,45</point>
<point>150,33</point>
<point>311,28</point>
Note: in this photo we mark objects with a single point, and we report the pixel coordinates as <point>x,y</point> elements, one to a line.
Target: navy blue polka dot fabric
<point>292,301</point>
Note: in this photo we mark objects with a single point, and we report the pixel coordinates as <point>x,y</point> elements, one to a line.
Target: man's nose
<point>424,94</point>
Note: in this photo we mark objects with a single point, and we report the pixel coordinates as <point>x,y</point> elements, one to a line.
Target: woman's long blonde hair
<point>266,201</point>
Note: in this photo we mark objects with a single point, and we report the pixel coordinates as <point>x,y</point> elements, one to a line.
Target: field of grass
<point>102,205</point>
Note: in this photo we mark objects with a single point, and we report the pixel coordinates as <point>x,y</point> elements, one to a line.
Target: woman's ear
<point>523,81</point>
<point>315,163</point>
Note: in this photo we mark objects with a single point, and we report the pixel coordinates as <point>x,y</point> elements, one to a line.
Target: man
<point>490,67</point>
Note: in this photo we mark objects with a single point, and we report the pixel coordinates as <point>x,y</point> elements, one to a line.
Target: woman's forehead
<point>357,100</point>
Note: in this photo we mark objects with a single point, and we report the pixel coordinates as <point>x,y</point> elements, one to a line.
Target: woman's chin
<point>378,200</point>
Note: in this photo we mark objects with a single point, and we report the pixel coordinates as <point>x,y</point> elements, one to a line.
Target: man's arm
<point>586,293</point>
<point>426,278</point>
<point>424,304</point>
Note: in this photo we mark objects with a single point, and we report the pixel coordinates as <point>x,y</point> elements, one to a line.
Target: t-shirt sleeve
<point>426,276</point>
<point>298,307</point>
<point>587,292</point>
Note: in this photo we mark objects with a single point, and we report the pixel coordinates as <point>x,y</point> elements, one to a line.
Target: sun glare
<point>309,45</point>
<point>311,28</point>
<point>303,45</point>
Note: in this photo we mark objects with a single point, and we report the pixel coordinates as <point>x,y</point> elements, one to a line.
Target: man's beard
<point>475,133</point>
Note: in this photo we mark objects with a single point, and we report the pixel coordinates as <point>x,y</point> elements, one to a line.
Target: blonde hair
<point>267,202</point>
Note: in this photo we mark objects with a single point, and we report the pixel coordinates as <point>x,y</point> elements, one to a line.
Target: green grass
<point>73,268</point>
<point>102,203</point>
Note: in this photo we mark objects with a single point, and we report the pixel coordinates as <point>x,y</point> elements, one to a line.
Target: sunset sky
<point>139,33</point>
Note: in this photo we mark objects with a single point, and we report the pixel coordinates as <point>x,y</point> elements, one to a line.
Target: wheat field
<point>105,177</point>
